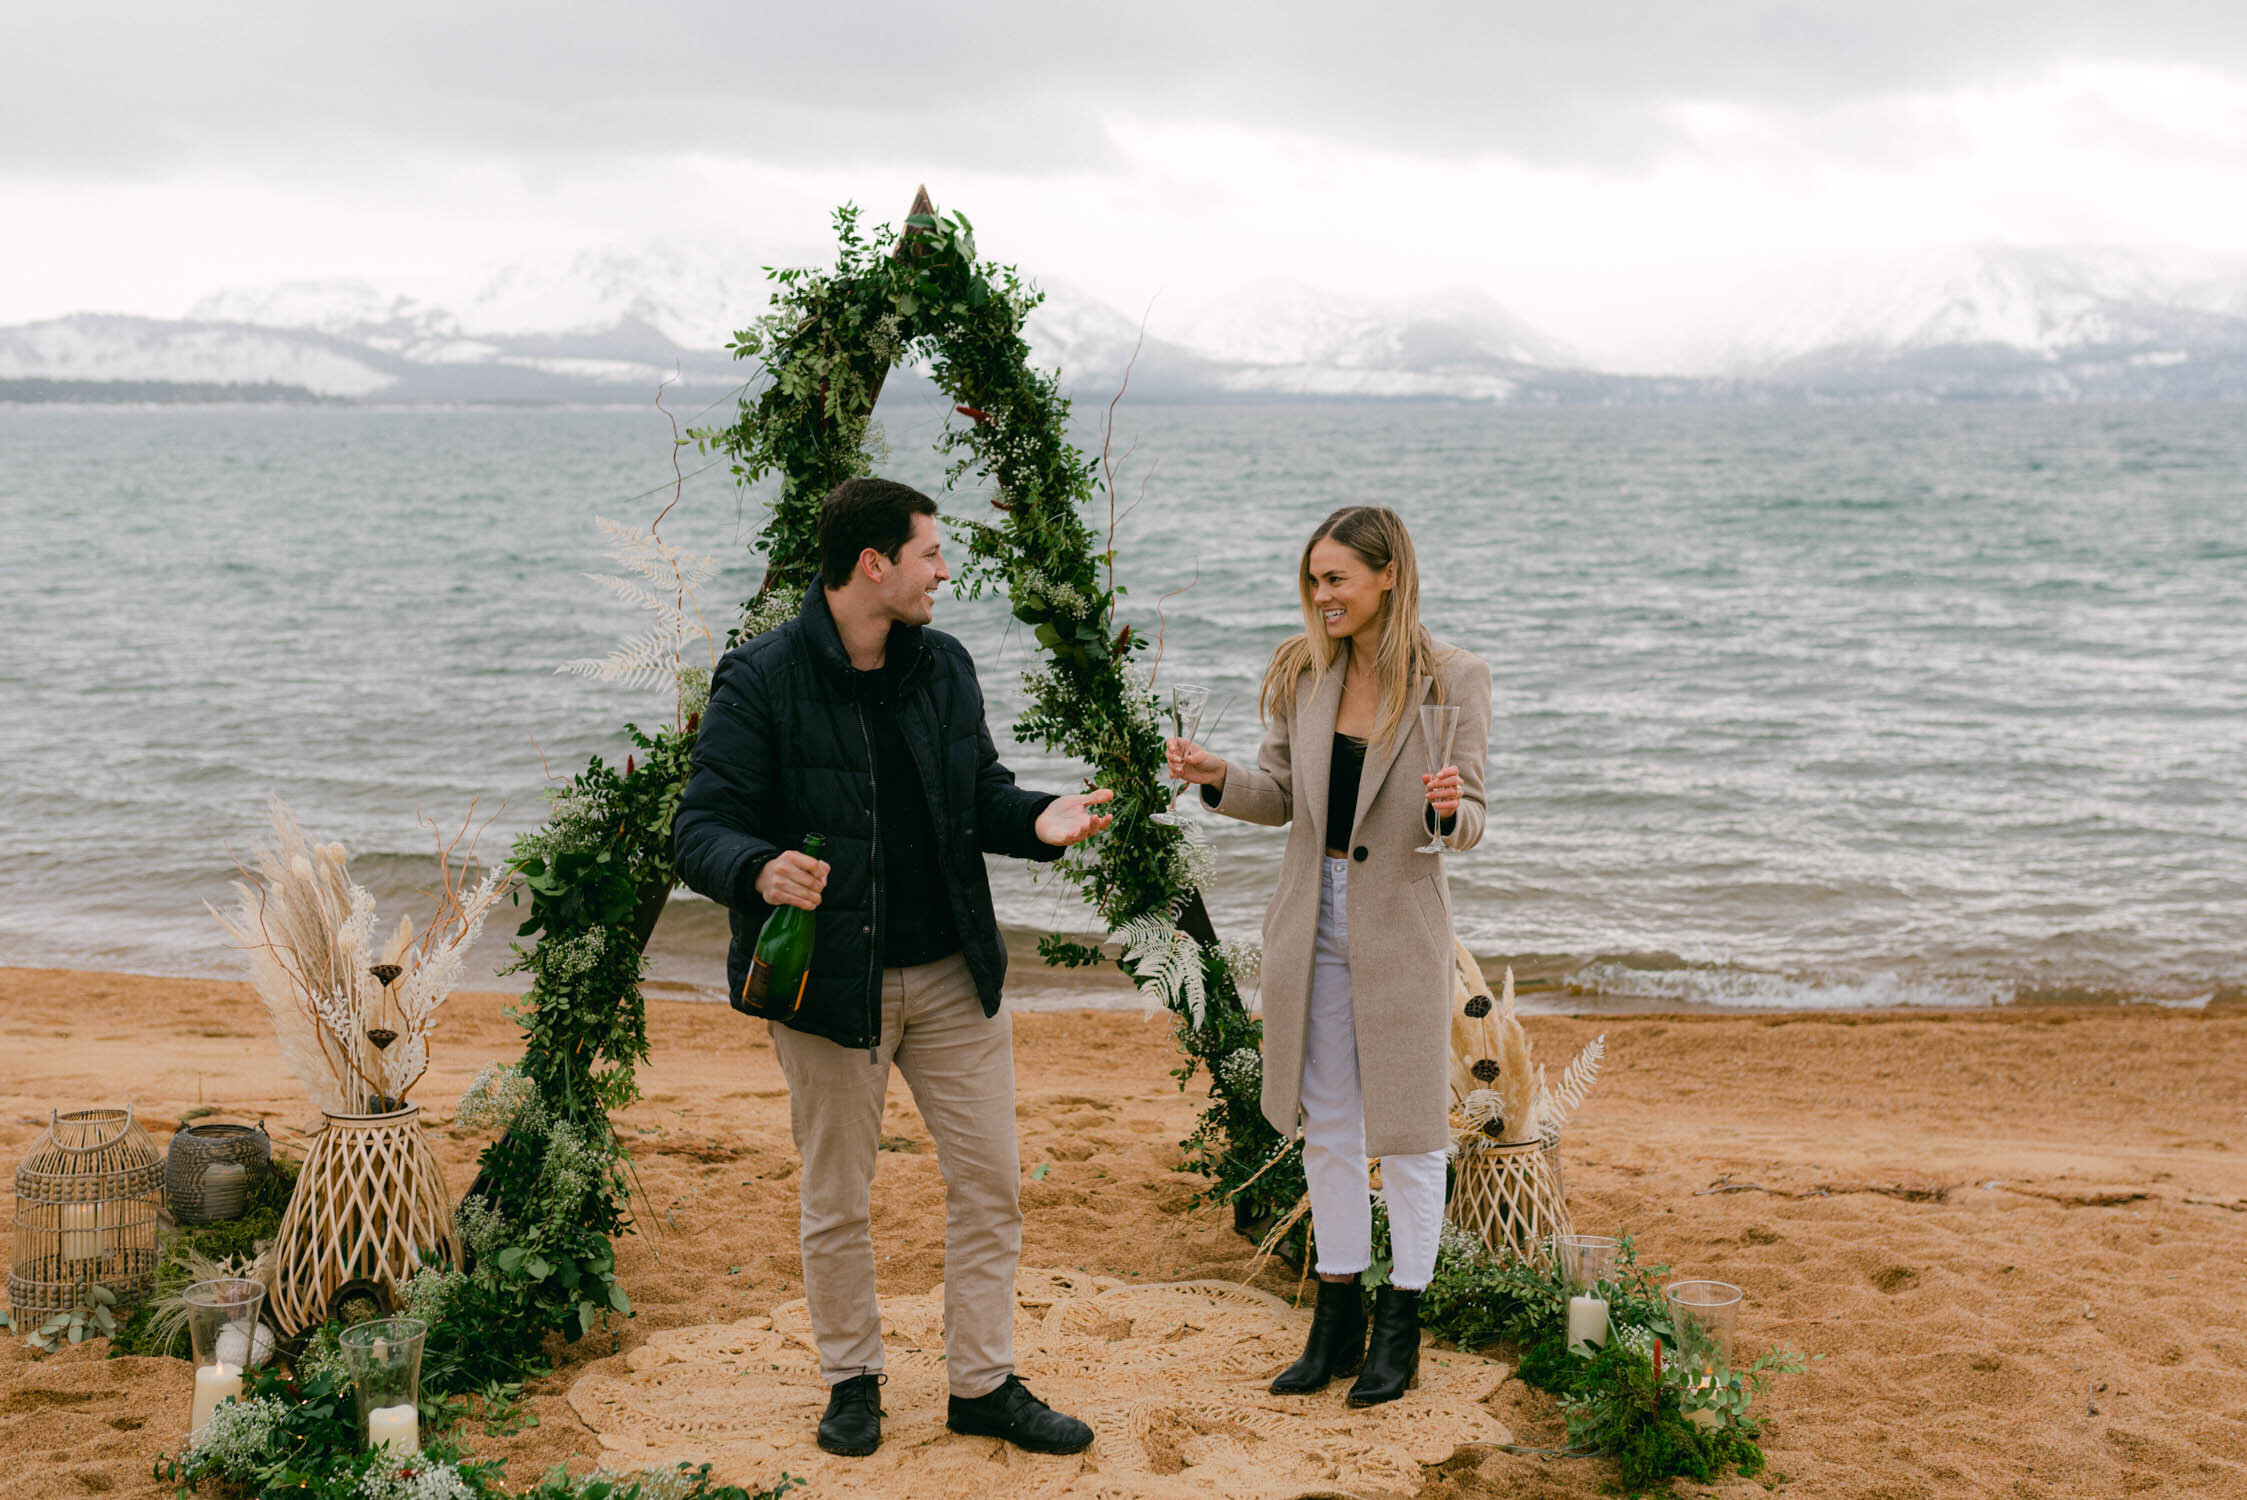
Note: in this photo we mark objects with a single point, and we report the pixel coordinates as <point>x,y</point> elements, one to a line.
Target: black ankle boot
<point>1337,1342</point>
<point>1392,1359</point>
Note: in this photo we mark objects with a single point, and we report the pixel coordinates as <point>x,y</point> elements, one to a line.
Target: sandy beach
<point>2017,1238</point>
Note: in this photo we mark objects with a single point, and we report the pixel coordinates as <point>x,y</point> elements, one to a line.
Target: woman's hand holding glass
<point>1192,764</point>
<point>1439,725</point>
<point>1444,791</point>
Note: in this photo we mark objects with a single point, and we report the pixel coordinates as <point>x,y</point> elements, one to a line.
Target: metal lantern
<point>87,1197</point>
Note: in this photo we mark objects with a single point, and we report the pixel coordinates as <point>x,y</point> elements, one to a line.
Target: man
<point>856,721</point>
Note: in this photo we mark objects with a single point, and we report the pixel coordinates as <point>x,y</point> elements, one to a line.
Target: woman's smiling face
<point>1346,593</point>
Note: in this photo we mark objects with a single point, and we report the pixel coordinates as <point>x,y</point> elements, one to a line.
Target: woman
<point>1357,972</point>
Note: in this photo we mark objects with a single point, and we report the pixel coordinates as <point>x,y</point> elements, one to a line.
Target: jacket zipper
<point>874,887</point>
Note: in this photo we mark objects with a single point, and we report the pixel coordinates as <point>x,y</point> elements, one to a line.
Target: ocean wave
<point>1750,989</point>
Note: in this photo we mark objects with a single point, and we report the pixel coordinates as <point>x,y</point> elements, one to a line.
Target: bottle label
<point>759,983</point>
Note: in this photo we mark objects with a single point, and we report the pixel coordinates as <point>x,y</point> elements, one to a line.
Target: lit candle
<point>213,1384</point>
<point>397,1428</point>
<point>1587,1323</point>
<point>81,1231</point>
<point>1704,1416</point>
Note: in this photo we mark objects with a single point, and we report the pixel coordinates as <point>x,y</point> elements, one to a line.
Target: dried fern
<point>663,583</point>
<point>1556,1105</point>
<point>1164,960</point>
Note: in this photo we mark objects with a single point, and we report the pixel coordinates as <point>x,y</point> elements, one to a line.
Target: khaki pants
<point>959,1063</point>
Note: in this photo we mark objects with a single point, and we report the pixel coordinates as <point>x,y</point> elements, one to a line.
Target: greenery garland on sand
<point>1626,1402</point>
<point>826,345</point>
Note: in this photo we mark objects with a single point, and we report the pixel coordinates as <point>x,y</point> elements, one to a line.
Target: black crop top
<point>1342,790</point>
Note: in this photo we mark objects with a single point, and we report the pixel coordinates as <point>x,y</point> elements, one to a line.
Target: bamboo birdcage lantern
<point>87,1197</point>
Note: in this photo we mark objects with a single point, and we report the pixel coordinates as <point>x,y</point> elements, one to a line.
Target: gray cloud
<point>1026,87</point>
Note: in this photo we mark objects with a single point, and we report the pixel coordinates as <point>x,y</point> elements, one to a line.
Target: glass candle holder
<point>1703,1317</point>
<point>224,1332</point>
<point>384,1358</point>
<point>1586,1260</point>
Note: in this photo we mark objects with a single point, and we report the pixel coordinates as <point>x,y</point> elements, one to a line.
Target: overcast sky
<point>1594,166</point>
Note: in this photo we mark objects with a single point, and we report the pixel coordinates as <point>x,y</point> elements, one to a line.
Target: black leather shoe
<point>853,1424</point>
<point>1337,1342</point>
<point>1011,1412</point>
<point>1392,1358</point>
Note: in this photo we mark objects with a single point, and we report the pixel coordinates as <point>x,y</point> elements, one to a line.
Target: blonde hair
<point>1405,651</point>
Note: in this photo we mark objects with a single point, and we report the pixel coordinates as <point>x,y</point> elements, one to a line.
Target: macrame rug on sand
<point>1171,1376</point>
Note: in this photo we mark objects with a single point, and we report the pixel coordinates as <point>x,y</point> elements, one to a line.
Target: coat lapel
<point>1378,757</point>
<point>1314,739</point>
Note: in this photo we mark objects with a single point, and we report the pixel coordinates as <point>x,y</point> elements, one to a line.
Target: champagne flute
<point>1187,701</point>
<point>1439,724</point>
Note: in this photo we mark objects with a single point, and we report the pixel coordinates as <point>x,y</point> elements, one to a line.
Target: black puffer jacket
<point>785,750</point>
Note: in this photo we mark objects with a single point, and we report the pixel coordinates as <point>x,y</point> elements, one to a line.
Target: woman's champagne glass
<point>1187,701</point>
<point>1439,724</point>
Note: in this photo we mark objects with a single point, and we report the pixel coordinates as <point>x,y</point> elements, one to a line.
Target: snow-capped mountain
<point>1977,323</point>
<point>1997,321</point>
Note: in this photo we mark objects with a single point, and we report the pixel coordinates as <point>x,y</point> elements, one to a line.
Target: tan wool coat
<point>1399,901</point>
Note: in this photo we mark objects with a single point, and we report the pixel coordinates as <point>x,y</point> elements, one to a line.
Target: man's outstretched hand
<point>1071,819</point>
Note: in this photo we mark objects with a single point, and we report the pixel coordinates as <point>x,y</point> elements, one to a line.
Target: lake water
<point>1806,707</point>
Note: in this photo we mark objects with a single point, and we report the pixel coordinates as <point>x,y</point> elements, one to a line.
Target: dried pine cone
<point>1486,1070</point>
<point>1478,1006</point>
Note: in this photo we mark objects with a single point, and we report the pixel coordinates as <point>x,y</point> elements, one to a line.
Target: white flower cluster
<point>414,1479</point>
<point>694,690</point>
<point>1139,694</point>
<point>1243,958</point>
<point>559,963</point>
<point>496,1095</point>
<point>775,608</point>
<point>1242,1071</point>
<point>484,1229</point>
<point>1066,597</point>
<point>1454,1244</point>
<point>572,1167</point>
<point>430,1291</point>
<point>234,1437</point>
<point>655,1484</point>
<point>575,820</point>
<point>887,340</point>
<point>1193,863</point>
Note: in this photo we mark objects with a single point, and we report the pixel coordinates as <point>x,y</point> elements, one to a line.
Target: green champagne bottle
<point>781,965</point>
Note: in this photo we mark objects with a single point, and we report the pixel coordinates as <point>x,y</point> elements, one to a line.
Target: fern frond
<point>645,660</point>
<point>1164,960</point>
<point>653,558</point>
<point>662,583</point>
<point>1575,1082</point>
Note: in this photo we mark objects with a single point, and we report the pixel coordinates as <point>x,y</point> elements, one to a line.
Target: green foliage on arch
<point>828,341</point>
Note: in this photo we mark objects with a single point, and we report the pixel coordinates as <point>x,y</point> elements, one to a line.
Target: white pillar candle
<point>226,1186</point>
<point>1587,1323</point>
<point>397,1428</point>
<point>213,1384</point>
<point>81,1231</point>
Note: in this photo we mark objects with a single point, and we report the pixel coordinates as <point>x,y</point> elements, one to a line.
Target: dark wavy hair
<point>862,513</point>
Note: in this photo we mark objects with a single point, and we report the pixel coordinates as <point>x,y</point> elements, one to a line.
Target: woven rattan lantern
<point>87,1197</point>
<point>1506,1194</point>
<point>370,1206</point>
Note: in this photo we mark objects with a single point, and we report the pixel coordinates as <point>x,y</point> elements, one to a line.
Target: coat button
<point>1358,854</point>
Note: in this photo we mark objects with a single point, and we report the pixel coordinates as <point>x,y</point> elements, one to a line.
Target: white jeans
<point>1334,1125</point>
